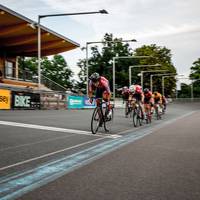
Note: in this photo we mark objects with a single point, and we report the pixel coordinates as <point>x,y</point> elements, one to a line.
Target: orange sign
<point>5,99</point>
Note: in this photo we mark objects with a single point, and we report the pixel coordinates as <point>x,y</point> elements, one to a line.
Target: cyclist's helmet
<point>95,77</point>
<point>132,88</point>
<point>146,91</point>
<point>125,88</point>
<point>138,89</point>
<point>155,93</point>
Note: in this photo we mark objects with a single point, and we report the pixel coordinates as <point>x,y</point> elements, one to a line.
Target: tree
<point>101,62</point>
<point>27,68</point>
<point>158,55</point>
<point>195,76</point>
<point>55,69</point>
<point>195,70</point>
<point>185,91</point>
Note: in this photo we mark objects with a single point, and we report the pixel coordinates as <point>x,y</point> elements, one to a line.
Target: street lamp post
<point>138,66</point>
<point>192,93</point>
<point>151,78</point>
<point>163,82</point>
<point>99,42</point>
<point>123,57</point>
<point>192,81</point>
<point>142,73</point>
<point>39,34</point>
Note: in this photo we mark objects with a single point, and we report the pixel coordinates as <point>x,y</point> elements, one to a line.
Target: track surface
<point>53,155</point>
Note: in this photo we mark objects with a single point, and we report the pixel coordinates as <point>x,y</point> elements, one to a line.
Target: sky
<point>170,23</point>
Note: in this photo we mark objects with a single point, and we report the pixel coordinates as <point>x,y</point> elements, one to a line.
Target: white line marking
<point>50,128</point>
<point>49,154</point>
<point>33,143</point>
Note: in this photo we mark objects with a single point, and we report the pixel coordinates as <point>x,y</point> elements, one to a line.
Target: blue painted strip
<point>16,186</point>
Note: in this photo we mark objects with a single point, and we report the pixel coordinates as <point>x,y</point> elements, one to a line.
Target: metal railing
<point>28,76</point>
<point>52,84</point>
<point>53,100</point>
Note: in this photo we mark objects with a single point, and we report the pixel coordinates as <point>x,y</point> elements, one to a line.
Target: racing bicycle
<point>128,108</point>
<point>158,111</point>
<point>100,116</point>
<point>137,115</point>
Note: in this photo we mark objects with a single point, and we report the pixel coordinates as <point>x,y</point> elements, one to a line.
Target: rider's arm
<point>142,98</point>
<point>90,90</point>
<point>105,84</point>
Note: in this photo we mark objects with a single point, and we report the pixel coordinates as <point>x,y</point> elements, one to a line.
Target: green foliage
<point>158,55</point>
<point>55,69</point>
<point>195,70</point>
<point>185,91</point>
<point>196,89</point>
<point>29,64</point>
<point>195,76</point>
<point>102,62</point>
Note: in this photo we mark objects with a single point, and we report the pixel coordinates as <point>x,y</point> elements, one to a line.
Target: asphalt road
<point>53,155</point>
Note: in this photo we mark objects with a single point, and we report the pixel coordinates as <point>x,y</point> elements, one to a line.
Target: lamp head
<point>103,11</point>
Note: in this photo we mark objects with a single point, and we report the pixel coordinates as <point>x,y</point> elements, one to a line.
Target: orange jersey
<point>157,97</point>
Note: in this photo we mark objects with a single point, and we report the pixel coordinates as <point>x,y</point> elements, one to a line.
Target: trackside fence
<point>186,100</point>
<point>56,100</point>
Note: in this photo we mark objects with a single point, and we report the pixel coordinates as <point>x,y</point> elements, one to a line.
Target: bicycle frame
<point>102,116</point>
<point>147,110</point>
<point>137,118</point>
<point>157,108</point>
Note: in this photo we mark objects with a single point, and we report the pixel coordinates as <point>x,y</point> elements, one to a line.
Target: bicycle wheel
<point>108,121</point>
<point>126,109</point>
<point>139,115</point>
<point>148,115</point>
<point>135,118</point>
<point>158,115</point>
<point>96,120</point>
<point>130,111</point>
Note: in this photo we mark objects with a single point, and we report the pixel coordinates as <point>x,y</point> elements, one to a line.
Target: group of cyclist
<point>145,98</point>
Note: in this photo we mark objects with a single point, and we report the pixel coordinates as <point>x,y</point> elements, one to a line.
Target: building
<point>19,37</point>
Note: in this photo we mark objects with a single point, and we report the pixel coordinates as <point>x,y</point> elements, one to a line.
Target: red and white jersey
<point>103,84</point>
<point>138,89</point>
<point>135,89</point>
<point>125,93</point>
<point>148,95</point>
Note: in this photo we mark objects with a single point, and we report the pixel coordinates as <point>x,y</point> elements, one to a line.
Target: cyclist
<point>148,101</point>
<point>125,93</point>
<point>101,85</point>
<point>137,94</point>
<point>164,103</point>
<point>157,100</point>
<point>125,97</point>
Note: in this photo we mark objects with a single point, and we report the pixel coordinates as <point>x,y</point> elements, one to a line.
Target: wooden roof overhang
<point>19,37</point>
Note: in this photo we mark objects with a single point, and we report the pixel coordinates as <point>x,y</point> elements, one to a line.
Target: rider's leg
<point>98,101</point>
<point>145,110</point>
<point>142,107</point>
<point>106,97</point>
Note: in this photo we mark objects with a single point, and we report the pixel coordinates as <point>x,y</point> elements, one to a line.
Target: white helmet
<point>132,88</point>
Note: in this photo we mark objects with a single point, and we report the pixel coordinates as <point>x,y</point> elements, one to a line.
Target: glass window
<point>10,70</point>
